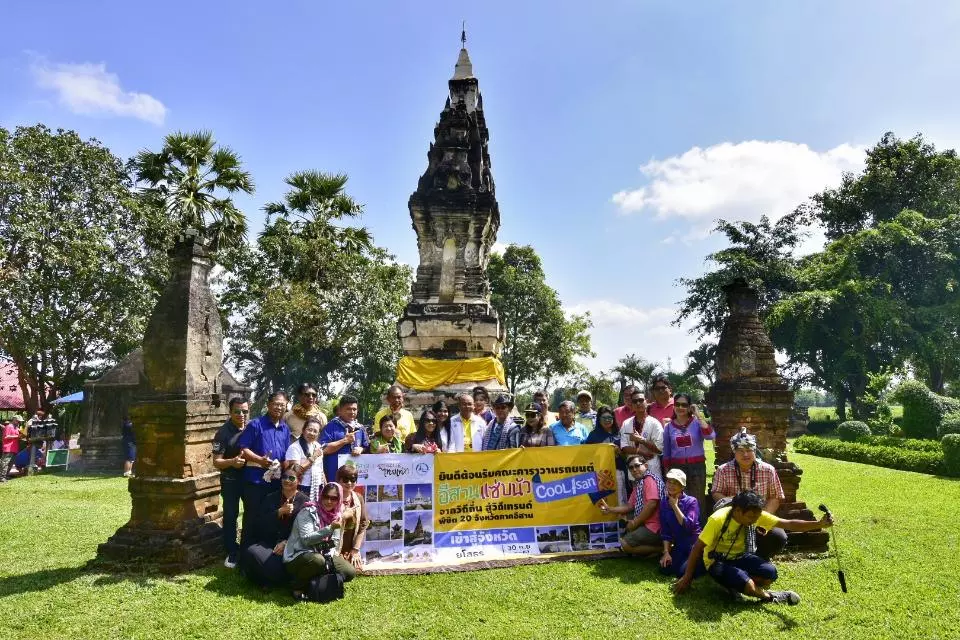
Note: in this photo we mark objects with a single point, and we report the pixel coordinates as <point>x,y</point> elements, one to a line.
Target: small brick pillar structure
<point>175,520</point>
<point>749,392</point>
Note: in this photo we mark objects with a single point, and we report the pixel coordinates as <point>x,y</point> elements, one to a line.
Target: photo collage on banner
<point>469,507</point>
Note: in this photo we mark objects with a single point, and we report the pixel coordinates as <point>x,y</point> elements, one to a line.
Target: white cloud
<point>498,248</point>
<point>620,329</point>
<point>89,89</point>
<point>739,181</point>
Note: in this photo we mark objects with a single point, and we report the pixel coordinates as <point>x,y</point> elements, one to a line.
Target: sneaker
<point>791,598</point>
<point>230,562</point>
<point>128,474</point>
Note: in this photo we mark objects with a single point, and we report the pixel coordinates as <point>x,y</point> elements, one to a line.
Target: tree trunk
<point>936,378</point>
<point>841,405</point>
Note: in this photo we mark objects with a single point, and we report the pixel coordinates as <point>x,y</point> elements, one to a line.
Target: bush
<point>851,430</point>
<point>901,443</point>
<point>822,426</point>
<point>949,424</point>
<point>923,410</point>
<point>889,457</point>
<point>951,453</point>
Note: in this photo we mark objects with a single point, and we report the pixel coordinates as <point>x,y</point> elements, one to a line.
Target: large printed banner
<point>455,508</point>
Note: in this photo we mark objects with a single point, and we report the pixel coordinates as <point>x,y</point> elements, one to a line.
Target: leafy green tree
<point>316,300</point>
<point>602,386</point>
<point>898,174</point>
<point>73,265</point>
<point>541,344</point>
<point>761,254</point>
<point>186,180</point>
<point>632,368</point>
<point>702,362</point>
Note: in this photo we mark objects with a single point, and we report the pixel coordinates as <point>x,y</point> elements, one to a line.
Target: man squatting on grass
<point>728,553</point>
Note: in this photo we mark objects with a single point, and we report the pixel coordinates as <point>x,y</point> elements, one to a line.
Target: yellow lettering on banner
<point>495,489</point>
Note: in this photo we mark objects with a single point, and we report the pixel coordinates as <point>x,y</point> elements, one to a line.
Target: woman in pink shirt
<point>11,438</point>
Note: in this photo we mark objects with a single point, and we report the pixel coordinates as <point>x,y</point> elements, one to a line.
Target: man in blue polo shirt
<point>567,431</point>
<point>263,440</point>
<point>342,435</point>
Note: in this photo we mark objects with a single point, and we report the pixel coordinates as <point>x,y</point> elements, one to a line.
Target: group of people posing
<point>303,518</point>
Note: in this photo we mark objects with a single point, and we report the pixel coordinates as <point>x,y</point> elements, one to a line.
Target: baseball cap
<point>678,475</point>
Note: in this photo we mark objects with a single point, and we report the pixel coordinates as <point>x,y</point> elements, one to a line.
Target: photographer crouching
<point>728,551</point>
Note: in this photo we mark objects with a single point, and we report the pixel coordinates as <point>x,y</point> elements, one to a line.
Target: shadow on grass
<point>628,570</point>
<point>230,583</point>
<point>49,578</point>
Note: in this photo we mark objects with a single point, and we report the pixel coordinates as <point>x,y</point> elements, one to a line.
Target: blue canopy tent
<point>73,397</point>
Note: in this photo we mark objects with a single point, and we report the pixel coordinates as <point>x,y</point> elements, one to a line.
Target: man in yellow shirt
<point>725,549</point>
<point>401,417</point>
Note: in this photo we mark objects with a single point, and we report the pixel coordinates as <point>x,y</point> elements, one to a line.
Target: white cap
<point>678,475</point>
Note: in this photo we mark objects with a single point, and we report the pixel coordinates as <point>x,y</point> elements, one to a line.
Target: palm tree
<point>185,180</point>
<point>633,368</point>
<point>702,362</point>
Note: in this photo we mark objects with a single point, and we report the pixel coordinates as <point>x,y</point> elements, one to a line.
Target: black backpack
<point>328,587</point>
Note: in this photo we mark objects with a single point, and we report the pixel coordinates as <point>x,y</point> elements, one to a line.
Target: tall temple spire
<point>456,217</point>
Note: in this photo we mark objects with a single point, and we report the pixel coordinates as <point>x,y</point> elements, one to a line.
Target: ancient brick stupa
<point>175,520</point>
<point>750,393</point>
<point>451,335</point>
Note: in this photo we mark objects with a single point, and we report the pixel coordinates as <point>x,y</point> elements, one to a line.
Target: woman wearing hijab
<point>315,535</point>
<point>355,518</point>
<point>304,452</point>
<point>426,439</point>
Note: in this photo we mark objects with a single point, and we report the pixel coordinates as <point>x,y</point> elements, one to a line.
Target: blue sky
<point>619,130</point>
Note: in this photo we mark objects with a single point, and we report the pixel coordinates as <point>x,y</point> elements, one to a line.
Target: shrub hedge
<point>880,456</point>
<point>949,424</point>
<point>911,444</point>
<point>821,427</point>
<point>951,453</point>
<point>922,409</point>
<point>851,430</point>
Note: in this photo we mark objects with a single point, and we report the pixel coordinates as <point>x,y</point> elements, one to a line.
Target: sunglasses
<point>290,478</point>
<point>352,480</point>
<point>606,418</point>
<point>241,413</point>
<point>681,404</point>
<point>634,466</point>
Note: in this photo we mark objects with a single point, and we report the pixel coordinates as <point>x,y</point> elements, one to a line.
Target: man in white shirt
<point>646,441</point>
<point>466,428</point>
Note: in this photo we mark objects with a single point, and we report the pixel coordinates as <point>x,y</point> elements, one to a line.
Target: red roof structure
<point>11,399</point>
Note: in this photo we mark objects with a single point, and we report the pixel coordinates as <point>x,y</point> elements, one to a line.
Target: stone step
<point>808,540</point>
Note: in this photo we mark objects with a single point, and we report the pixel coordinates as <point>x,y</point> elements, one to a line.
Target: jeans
<point>734,573</point>
<point>6,461</point>
<point>231,491</point>
<point>253,494</point>
<point>772,543</point>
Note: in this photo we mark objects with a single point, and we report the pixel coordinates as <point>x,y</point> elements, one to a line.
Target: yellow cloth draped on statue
<point>423,374</point>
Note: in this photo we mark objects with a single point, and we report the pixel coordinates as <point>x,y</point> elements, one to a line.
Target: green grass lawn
<point>898,542</point>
